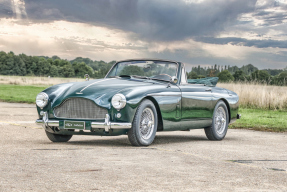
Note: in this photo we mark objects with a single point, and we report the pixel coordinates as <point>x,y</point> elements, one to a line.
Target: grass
<point>36,81</point>
<point>255,119</point>
<point>251,94</point>
<point>262,120</point>
<point>259,96</point>
<point>19,93</point>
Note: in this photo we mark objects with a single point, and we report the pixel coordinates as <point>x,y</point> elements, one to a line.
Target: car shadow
<point>122,141</point>
<point>168,139</point>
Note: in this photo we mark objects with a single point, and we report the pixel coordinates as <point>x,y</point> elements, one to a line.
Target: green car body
<point>179,106</point>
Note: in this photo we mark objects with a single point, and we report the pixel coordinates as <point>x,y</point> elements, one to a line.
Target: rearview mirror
<point>173,79</point>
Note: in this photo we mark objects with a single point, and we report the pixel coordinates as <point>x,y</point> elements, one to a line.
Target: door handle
<point>209,89</point>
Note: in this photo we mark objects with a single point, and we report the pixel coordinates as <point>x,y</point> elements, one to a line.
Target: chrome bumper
<point>107,125</point>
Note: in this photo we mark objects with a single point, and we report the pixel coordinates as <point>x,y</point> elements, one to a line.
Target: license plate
<point>74,125</point>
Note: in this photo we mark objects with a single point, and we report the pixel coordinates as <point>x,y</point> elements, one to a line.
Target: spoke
<point>220,118</point>
<point>147,123</point>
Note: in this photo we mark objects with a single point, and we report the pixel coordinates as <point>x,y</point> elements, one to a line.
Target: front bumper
<point>107,125</point>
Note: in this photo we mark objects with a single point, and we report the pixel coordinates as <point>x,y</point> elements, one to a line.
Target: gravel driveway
<point>177,161</point>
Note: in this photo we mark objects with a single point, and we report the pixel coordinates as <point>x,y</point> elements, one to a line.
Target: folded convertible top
<point>208,81</point>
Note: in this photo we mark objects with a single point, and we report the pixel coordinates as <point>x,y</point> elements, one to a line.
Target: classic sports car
<point>137,98</point>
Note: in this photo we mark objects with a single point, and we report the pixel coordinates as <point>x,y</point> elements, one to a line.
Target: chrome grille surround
<point>79,108</point>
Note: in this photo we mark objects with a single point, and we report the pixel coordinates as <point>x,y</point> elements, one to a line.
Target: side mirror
<point>87,76</point>
<point>173,79</point>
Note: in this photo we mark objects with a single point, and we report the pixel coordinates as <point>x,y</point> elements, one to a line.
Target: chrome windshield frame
<point>130,60</point>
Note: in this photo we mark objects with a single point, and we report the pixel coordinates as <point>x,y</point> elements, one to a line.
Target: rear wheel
<point>58,138</point>
<point>218,129</point>
<point>144,125</point>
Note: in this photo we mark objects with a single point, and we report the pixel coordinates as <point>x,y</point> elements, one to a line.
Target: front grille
<point>79,108</point>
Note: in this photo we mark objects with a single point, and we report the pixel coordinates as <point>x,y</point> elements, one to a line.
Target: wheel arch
<point>228,107</point>
<point>160,122</point>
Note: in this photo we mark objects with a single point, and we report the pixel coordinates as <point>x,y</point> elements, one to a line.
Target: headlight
<point>42,99</point>
<point>119,101</point>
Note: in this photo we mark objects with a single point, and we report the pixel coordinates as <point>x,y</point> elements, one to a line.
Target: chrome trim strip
<point>165,94</point>
<point>93,84</point>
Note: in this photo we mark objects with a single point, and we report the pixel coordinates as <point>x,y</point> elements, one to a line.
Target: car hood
<point>100,90</point>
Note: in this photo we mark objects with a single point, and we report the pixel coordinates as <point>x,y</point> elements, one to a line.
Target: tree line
<point>23,65</point>
<point>246,73</point>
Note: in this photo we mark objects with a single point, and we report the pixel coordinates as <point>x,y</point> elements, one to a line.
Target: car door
<point>196,104</point>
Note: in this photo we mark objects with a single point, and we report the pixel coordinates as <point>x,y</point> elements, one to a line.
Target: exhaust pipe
<point>238,116</point>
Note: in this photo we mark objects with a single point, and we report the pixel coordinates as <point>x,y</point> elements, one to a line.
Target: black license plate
<point>74,125</point>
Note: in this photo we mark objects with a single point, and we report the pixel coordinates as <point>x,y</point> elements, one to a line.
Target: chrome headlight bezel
<point>119,101</point>
<point>42,100</point>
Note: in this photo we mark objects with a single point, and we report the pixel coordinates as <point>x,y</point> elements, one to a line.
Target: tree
<point>280,79</point>
<point>225,76</point>
<point>261,75</point>
<point>132,70</point>
<point>68,71</point>
<point>54,71</point>
<point>43,67</point>
<point>81,69</point>
<point>239,76</point>
<point>192,75</point>
<point>248,69</point>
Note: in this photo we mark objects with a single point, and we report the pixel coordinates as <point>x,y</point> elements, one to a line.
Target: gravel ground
<point>177,161</point>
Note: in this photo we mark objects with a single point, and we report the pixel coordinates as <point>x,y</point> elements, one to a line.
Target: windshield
<point>152,69</point>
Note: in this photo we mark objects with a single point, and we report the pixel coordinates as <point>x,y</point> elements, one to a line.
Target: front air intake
<point>79,108</point>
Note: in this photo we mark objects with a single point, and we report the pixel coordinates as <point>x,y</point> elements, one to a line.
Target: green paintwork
<point>180,106</point>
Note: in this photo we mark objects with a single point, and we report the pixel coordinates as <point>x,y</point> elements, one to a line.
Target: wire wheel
<point>147,123</point>
<point>220,120</point>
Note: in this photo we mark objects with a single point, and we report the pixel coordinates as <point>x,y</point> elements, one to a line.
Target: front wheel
<point>144,125</point>
<point>220,121</point>
<point>58,138</point>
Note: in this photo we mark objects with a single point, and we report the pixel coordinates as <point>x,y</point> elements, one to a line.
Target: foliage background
<point>23,65</point>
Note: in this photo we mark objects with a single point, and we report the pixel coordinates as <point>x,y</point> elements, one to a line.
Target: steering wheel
<point>162,76</point>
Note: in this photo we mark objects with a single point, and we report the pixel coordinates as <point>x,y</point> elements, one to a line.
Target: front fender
<point>167,100</point>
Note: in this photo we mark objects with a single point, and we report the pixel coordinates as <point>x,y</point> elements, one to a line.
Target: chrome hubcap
<point>147,123</point>
<point>220,120</point>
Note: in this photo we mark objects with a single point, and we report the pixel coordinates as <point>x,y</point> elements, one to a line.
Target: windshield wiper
<point>160,79</point>
<point>143,77</point>
<point>135,76</point>
<point>125,76</point>
<point>140,77</point>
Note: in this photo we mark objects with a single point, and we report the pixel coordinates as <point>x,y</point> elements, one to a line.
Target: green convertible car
<point>137,98</point>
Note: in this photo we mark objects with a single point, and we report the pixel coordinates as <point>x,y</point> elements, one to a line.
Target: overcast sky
<point>196,32</point>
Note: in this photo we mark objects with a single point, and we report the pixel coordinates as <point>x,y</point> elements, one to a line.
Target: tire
<point>58,138</point>
<point>220,121</point>
<point>144,125</point>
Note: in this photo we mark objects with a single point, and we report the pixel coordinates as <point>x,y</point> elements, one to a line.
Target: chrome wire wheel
<point>220,120</point>
<point>147,124</point>
<point>144,126</point>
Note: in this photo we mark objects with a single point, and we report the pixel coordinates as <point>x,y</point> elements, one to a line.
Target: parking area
<point>177,161</point>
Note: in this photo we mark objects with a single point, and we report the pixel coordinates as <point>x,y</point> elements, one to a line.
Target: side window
<point>183,76</point>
